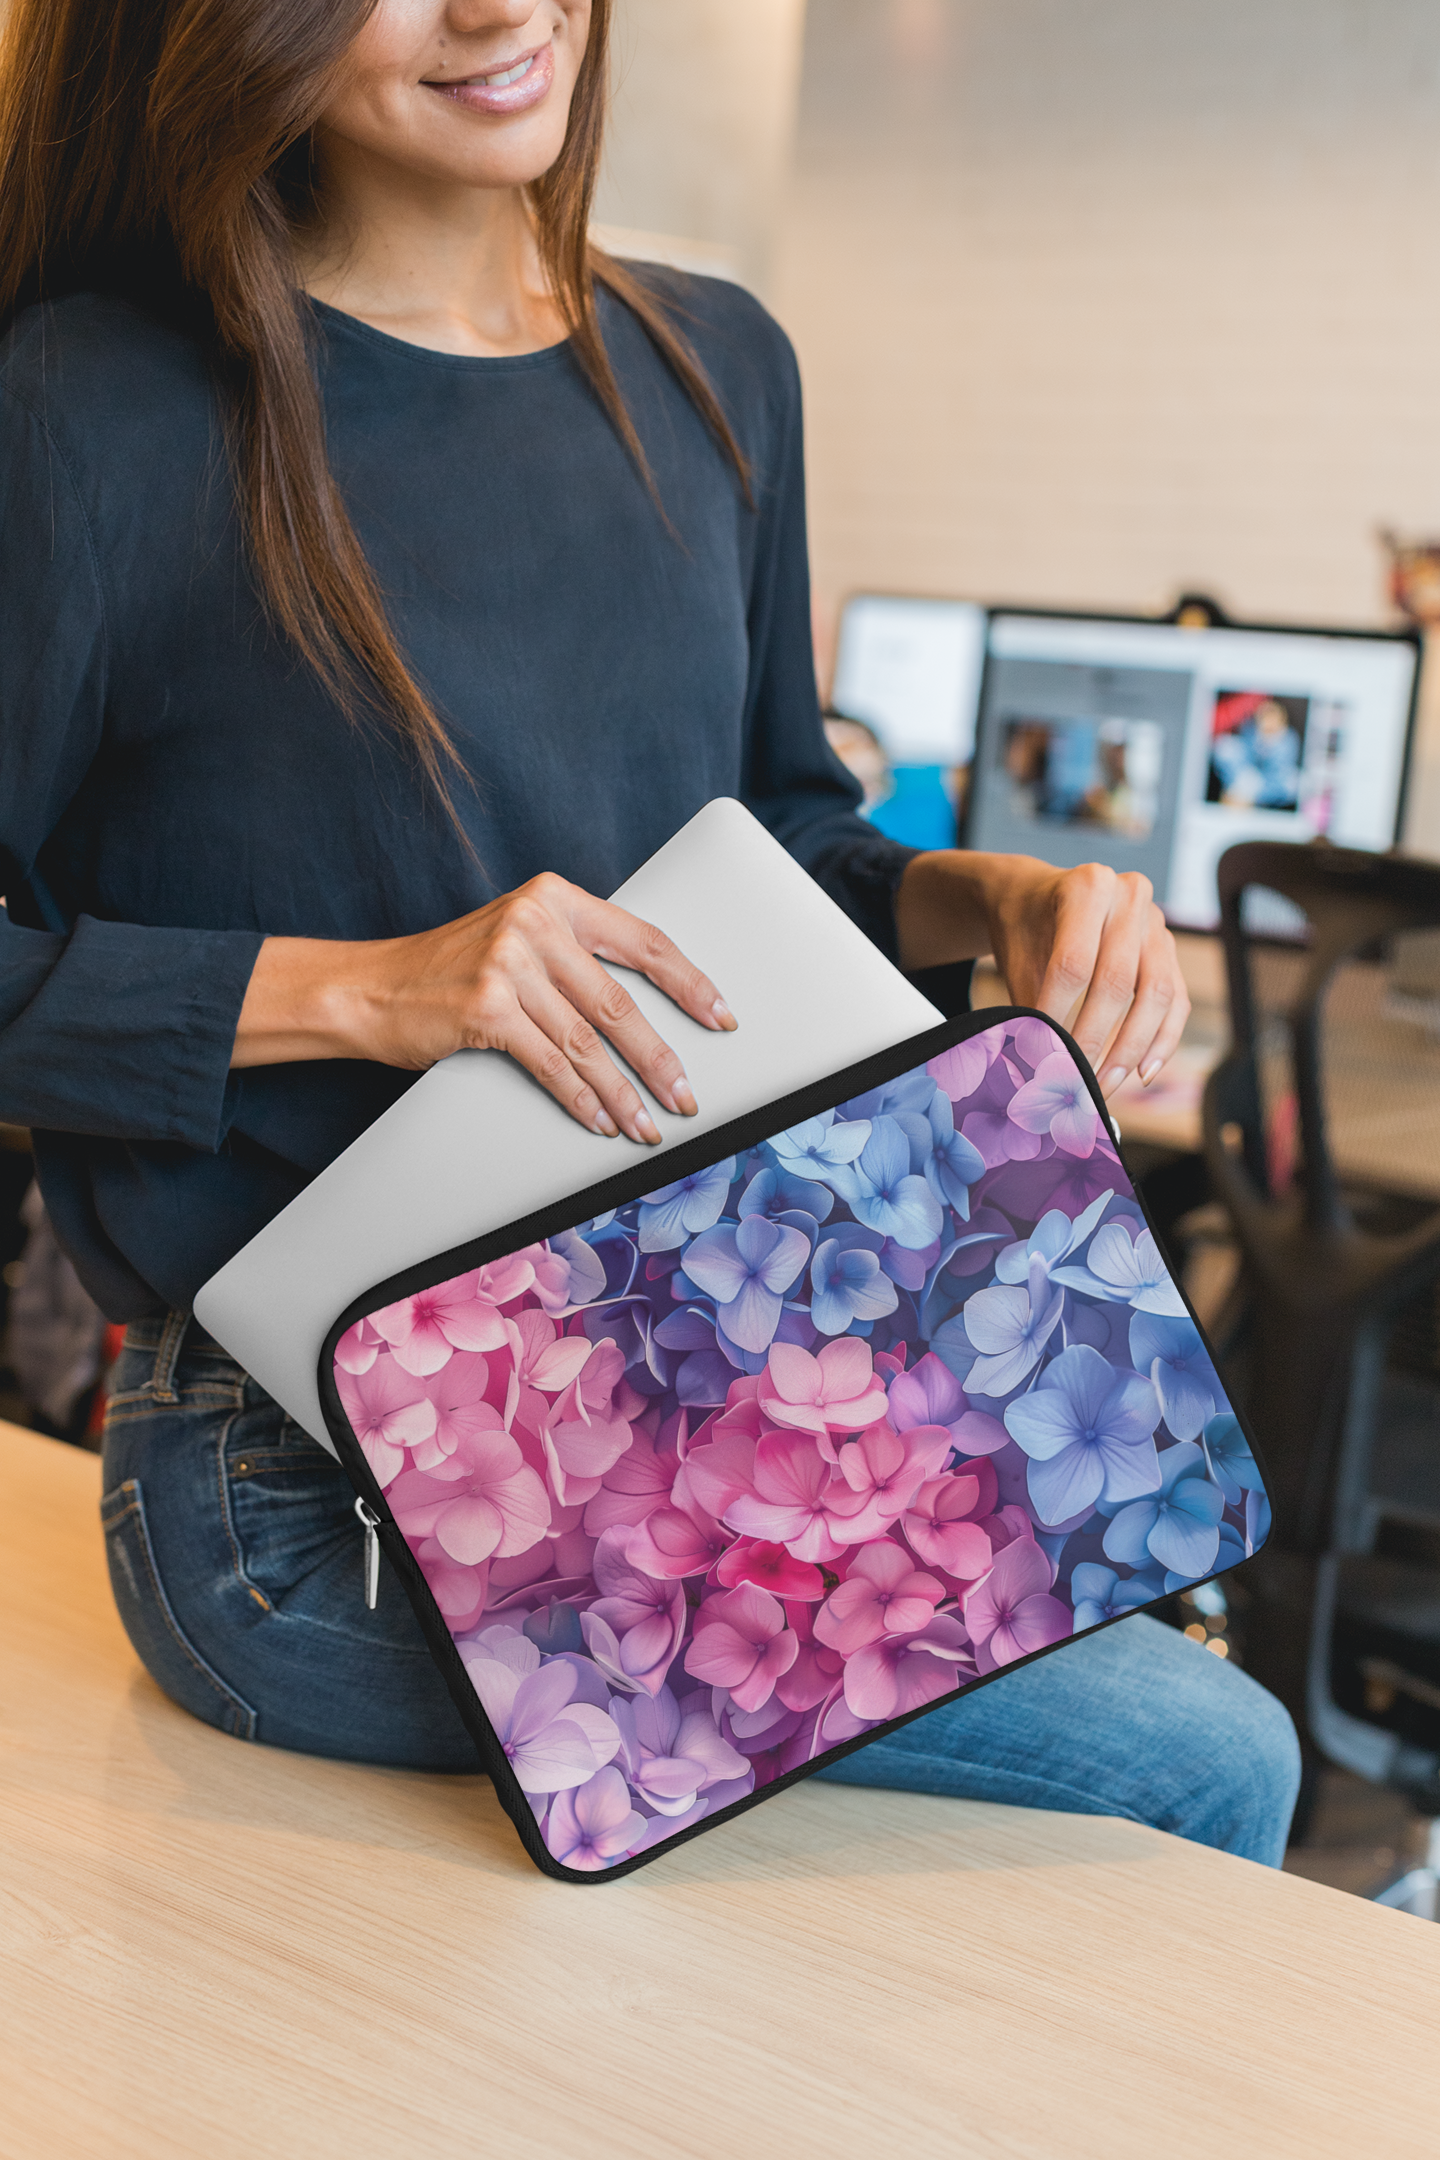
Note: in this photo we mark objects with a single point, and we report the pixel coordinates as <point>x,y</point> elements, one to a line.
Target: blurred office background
<point>1094,305</point>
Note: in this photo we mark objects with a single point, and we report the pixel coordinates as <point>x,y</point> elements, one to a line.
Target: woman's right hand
<point>522,975</point>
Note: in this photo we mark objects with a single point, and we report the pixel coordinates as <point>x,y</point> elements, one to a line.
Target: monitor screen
<point>907,683</point>
<point>1155,748</point>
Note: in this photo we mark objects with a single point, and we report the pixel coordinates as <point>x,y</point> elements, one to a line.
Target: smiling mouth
<point>529,72</point>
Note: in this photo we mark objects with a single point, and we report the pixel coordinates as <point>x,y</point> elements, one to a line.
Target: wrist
<point>311,998</point>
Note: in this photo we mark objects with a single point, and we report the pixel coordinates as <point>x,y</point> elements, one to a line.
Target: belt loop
<point>162,1379</point>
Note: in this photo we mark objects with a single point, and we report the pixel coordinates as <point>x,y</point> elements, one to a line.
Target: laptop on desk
<point>476,1143</point>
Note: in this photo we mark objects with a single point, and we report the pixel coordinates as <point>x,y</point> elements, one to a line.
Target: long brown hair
<point>154,145</point>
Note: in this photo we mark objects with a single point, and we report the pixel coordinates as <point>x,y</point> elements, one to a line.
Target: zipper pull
<point>371,1522</point>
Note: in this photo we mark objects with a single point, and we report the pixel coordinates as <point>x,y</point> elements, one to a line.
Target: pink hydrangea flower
<point>595,1825</point>
<point>940,1526</point>
<point>582,1435</point>
<point>633,1487</point>
<point>1010,1612</point>
<point>359,1347</point>
<point>883,1594</point>
<point>817,1671</point>
<point>675,1541</point>
<point>838,1391</point>
<point>903,1672</point>
<point>789,1499</point>
<point>742,1643</point>
<point>389,1411</point>
<point>769,1567</point>
<point>483,1502</point>
<point>883,1471</point>
<point>423,1330</point>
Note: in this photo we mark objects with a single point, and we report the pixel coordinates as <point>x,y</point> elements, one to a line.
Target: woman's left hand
<point>1091,938</point>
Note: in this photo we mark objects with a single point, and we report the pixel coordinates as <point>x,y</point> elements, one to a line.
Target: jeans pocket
<point>292,1513</point>
<point>160,1642</point>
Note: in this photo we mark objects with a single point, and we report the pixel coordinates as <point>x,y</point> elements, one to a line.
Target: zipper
<point>371,1522</point>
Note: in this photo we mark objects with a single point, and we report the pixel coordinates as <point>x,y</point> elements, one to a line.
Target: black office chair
<point>1322,1139</point>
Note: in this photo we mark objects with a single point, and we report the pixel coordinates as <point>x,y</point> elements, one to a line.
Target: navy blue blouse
<point>174,786</point>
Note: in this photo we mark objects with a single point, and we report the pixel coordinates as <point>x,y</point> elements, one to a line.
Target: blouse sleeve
<point>118,1029</point>
<point>795,784</point>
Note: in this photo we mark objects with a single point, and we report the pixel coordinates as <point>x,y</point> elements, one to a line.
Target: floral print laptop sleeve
<point>698,1485</point>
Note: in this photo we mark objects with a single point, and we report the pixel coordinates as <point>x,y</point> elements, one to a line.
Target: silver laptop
<point>476,1143</point>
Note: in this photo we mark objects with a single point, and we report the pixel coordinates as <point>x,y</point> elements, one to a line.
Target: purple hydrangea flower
<point>1057,1103</point>
<point>595,1825</point>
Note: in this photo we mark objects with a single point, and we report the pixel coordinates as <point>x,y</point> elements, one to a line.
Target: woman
<point>386,573</point>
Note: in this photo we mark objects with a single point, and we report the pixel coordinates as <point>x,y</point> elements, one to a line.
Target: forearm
<point>942,907</point>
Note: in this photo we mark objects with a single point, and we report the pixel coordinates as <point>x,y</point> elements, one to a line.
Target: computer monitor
<point>907,672</point>
<point>1154,747</point>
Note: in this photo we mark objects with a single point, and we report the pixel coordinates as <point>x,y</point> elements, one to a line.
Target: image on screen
<point>1104,773</point>
<point>1154,748</point>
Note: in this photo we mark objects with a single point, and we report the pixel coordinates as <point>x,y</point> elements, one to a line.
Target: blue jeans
<point>236,1561</point>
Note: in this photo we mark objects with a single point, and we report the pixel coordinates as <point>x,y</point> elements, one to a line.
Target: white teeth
<point>499,82</point>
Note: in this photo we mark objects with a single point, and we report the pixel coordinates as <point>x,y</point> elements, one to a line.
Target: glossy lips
<point>513,88</point>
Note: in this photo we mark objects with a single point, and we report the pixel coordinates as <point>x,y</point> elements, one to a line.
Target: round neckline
<point>430,355</point>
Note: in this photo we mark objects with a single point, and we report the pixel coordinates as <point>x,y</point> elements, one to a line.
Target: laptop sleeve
<point>699,1485</point>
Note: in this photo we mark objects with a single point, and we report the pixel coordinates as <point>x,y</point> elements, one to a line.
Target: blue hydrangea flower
<point>1099,1594</point>
<point>747,1270</point>
<point>777,1193</point>
<point>1180,1526</point>
<point>821,1146</point>
<point>848,1282</point>
<point>884,1193</point>
<point>951,1164</point>
<point>675,1212</point>
<point>1010,1328</point>
<point>1125,1273</point>
<point>1177,1361</point>
<point>1054,1238</point>
<point>1232,1465</point>
<point>1088,1430</point>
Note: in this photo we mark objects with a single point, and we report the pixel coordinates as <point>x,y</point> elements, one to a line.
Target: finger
<point>1155,1021</point>
<point>1082,908</point>
<point>608,1006</point>
<point>542,1057</point>
<point>1116,978</point>
<point>574,1038</point>
<point>612,933</point>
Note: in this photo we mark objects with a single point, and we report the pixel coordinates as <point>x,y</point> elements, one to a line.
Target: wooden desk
<point>212,1951</point>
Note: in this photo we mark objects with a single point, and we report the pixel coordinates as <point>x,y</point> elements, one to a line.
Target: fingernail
<point>606,1124</point>
<point>1148,1072</point>
<point>723,1014</point>
<point>683,1097</point>
<point>1111,1079</point>
<point>646,1129</point>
